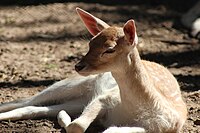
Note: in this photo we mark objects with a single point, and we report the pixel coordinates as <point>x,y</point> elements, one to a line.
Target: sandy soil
<point>39,45</point>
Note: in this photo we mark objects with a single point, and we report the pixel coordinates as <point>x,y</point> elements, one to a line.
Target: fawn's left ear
<point>130,32</point>
<point>92,23</point>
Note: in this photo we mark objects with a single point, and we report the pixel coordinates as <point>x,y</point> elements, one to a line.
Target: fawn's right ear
<point>130,32</point>
<point>92,23</point>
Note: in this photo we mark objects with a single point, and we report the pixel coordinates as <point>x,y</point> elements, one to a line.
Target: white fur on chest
<point>148,118</point>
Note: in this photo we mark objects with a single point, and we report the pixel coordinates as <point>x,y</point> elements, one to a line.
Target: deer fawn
<point>148,98</point>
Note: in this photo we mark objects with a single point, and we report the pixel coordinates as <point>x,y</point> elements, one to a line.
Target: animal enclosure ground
<point>39,45</point>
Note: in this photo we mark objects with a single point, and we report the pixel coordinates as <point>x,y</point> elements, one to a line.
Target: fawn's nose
<point>80,66</point>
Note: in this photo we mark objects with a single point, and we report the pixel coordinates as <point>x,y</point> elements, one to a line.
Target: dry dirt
<point>39,45</point>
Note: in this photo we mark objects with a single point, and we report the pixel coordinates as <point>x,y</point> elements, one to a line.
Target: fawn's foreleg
<point>124,130</point>
<point>97,107</point>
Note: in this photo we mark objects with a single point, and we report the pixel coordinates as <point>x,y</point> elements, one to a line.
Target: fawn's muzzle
<point>80,66</point>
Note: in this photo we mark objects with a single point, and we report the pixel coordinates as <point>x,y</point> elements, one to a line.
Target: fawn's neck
<point>134,82</point>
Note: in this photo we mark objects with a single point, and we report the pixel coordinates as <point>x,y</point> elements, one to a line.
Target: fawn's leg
<point>55,94</point>
<point>72,107</point>
<point>125,130</point>
<point>63,119</point>
<point>97,107</point>
<point>13,105</point>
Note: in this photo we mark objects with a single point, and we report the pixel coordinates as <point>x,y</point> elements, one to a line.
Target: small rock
<point>191,108</point>
<point>69,58</point>
<point>197,122</point>
<point>47,124</point>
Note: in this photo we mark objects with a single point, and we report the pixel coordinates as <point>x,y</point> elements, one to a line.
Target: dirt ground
<point>39,45</point>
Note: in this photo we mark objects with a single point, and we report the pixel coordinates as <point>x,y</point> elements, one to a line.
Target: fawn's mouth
<point>84,73</point>
<point>85,70</point>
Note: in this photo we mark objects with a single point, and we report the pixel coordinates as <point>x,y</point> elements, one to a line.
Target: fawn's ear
<point>92,23</point>
<point>130,32</point>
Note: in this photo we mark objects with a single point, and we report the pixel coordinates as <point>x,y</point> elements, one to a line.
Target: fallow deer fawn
<point>148,98</point>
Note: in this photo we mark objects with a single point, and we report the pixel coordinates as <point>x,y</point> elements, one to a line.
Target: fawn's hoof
<point>63,119</point>
<point>74,128</point>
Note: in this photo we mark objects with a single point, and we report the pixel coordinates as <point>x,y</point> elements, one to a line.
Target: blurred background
<point>41,41</point>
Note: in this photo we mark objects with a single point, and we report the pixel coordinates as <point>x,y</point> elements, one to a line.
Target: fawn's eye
<point>109,51</point>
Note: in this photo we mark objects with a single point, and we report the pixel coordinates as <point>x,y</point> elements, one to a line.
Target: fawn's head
<point>108,46</point>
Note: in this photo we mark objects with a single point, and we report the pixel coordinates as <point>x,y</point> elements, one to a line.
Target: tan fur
<point>150,95</point>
